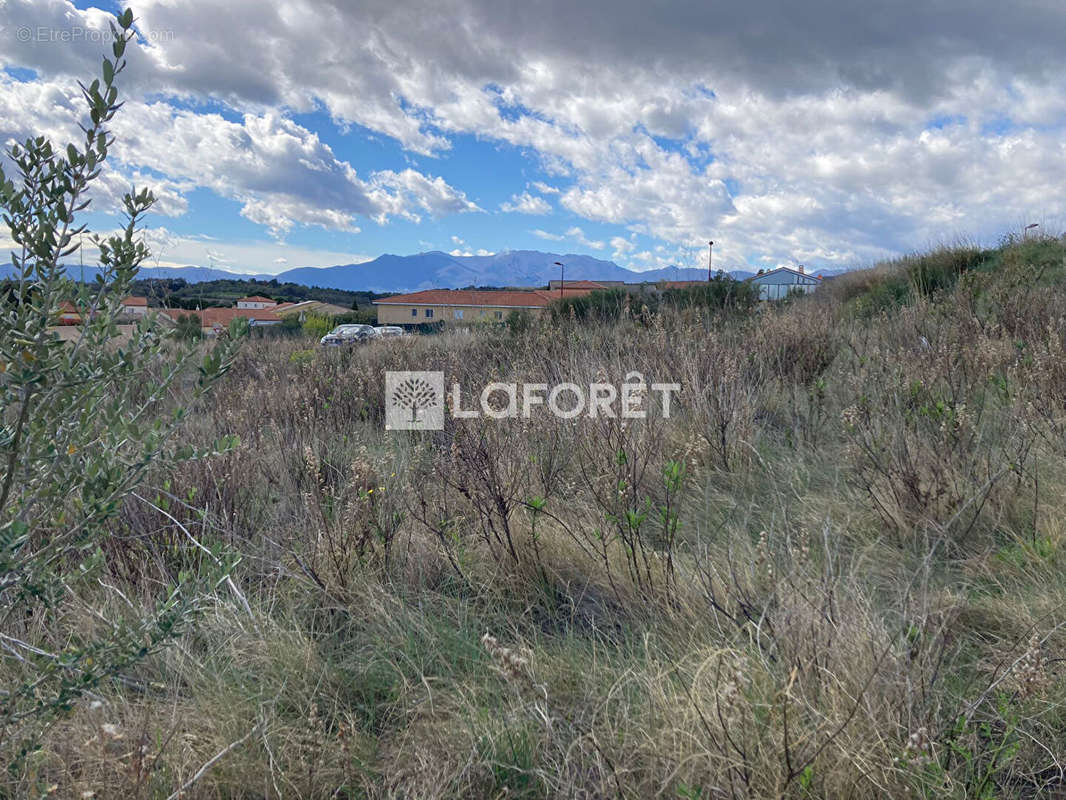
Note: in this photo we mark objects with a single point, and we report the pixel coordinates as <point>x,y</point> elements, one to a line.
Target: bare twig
<point>214,760</point>
<point>228,579</point>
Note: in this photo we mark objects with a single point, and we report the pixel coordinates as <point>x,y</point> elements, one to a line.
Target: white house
<point>779,283</point>
<point>135,305</point>
<point>256,302</point>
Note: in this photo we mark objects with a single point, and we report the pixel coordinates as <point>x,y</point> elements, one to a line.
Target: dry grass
<point>861,594</point>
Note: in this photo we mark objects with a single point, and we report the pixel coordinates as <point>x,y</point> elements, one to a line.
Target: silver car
<point>386,331</point>
<point>347,334</point>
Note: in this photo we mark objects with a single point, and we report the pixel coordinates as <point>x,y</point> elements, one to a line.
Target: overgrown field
<point>835,571</point>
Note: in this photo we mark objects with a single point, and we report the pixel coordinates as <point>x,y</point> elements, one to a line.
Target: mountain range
<point>432,270</point>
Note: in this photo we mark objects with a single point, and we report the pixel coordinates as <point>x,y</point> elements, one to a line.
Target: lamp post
<point>710,261</point>
<point>1029,227</point>
<point>562,281</point>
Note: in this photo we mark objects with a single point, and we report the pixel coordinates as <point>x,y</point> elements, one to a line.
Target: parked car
<point>385,331</point>
<point>347,334</point>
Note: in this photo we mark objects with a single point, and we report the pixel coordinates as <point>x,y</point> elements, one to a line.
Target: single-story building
<point>215,320</point>
<point>779,283</point>
<point>465,306</point>
<point>69,314</point>
<point>256,301</point>
<point>135,305</point>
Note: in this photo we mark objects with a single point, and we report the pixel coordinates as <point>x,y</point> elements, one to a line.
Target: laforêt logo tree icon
<point>416,394</point>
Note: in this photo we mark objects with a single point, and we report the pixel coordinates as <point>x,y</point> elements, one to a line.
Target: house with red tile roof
<point>467,305</point>
<point>69,314</point>
<point>256,301</point>
<point>215,320</point>
<point>135,305</point>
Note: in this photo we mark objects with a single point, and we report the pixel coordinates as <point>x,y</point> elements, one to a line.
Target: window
<point>414,312</point>
<point>499,315</point>
<point>429,313</point>
<point>458,313</point>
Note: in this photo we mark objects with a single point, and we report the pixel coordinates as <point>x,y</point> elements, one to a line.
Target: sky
<point>829,133</point>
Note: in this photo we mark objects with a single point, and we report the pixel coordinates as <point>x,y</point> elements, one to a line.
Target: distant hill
<point>434,270</point>
<point>191,274</point>
<point>438,270</point>
<point>180,293</point>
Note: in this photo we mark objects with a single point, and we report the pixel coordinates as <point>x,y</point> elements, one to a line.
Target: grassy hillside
<point>179,293</point>
<point>835,571</point>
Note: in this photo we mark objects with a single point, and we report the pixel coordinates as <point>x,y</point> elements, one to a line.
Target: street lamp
<point>1029,227</point>
<point>710,259</point>
<point>562,282</point>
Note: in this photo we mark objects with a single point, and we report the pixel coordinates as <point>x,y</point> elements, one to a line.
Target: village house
<point>135,305</point>
<point>256,302</point>
<point>215,320</point>
<point>779,283</point>
<point>70,315</point>
<point>466,306</point>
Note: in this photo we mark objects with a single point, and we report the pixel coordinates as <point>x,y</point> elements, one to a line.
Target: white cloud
<point>463,249</point>
<point>544,188</point>
<point>578,235</point>
<point>170,249</point>
<point>526,203</point>
<point>621,247</point>
<point>864,135</point>
<point>281,173</point>
<point>552,237</point>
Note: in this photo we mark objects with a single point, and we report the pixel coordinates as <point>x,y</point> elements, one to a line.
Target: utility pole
<point>562,281</point>
<point>710,261</point>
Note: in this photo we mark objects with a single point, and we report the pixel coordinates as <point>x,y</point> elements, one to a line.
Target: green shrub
<point>722,292</point>
<point>80,424</point>
<point>602,305</point>
<point>519,322</point>
<point>302,357</point>
<point>188,327</point>
<point>364,317</point>
<point>941,269</point>
<point>317,325</point>
<point>892,292</point>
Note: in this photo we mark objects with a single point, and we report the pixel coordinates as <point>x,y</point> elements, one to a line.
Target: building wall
<point>779,291</point>
<point>254,304</point>
<point>776,285</point>
<point>401,315</point>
